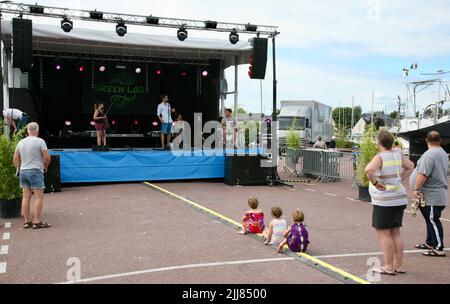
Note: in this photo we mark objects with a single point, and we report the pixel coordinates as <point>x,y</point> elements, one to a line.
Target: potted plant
<point>294,143</point>
<point>368,150</point>
<point>10,192</point>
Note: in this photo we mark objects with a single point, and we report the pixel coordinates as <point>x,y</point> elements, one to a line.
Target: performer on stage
<point>101,123</point>
<point>229,128</point>
<point>15,118</point>
<point>164,113</point>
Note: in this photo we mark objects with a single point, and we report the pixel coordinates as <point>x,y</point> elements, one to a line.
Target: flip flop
<point>40,225</point>
<point>382,271</point>
<point>434,253</point>
<point>423,246</point>
<point>27,225</point>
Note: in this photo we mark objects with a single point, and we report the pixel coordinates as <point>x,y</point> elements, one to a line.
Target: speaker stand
<point>275,180</point>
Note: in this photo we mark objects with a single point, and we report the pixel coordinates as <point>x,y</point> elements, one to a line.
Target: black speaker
<point>246,170</point>
<point>52,177</point>
<point>259,64</point>
<point>22,44</point>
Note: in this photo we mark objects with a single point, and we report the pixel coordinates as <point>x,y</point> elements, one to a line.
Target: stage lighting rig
<point>251,27</point>
<point>96,15</point>
<point>182,33</point>
<point>36,9</point>
<point>66,24</point>
<point>152,20</point>
<point>121,28</point>
<point>211,24</point>
<point>234,37</point>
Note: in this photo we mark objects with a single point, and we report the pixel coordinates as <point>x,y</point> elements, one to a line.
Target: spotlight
<point>234,36</point>
<point>205,73</point>
<point>81,68</point>
<point>121,28</point>
<point>66,24</point>
<point>158,72</point>
<point>155,124</point>
<point>68,123</point>
<point>135,122</point>
<point>183,73</point>
<point>58,67</point>
<point>92,123</point>
<point>251,27</point>
<point>96,15</point>
<point>102,68</point>
<point>138,70</point>
<point>182,33</point>
<point>211,24</point>
<point>113,122</point>
<point>152,20</point>
<point>36,9</point>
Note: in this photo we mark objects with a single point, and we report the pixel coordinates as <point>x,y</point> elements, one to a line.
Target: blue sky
<point>328,50</point>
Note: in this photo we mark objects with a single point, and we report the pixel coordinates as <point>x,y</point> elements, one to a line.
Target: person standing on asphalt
<point>31,159</point>
<point>430,183</point>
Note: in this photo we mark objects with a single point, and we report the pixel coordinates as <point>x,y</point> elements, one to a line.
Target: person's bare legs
<point>387,247</point>
<point>162,140</point>
<point>99,138</point>
<point>169,137</point>
<point>27,193</point>
<point>104,137</point>
<point>398,250</point>
<point>282,244</point>
<point>38,204</point>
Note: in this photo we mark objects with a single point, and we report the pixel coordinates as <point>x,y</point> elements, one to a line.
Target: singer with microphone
<point>165,116</point>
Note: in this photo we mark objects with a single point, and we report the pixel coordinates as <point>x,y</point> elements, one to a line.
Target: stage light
<point>68,123</point>
<point>81,68</point>
<point>58,67</point>
<point>113,122</point>
<point>136,123</point>
<point>66,24</point>
<point>182,33</point>
<point>234,36</point>
<point>251,28</point>
<point>102,68</point>
<point>205,73</point>
<point>183,73</point>
<point>36,9</point>
<point>211,24</point>
<point>155,123</point>
<point>96,15</point>
<point>121,28</point>
<point>138,70</point>
<point>92,123</point>
<point>152,20</point>
<point>158,72</point>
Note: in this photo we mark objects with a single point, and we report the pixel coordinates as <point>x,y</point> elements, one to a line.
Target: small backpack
<point>298,238</point>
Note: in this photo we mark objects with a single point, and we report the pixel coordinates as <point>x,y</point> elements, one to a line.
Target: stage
<point>135,165</point>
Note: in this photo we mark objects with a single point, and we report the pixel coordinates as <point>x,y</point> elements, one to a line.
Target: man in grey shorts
<point>31,159</point>
<point>429,180</point>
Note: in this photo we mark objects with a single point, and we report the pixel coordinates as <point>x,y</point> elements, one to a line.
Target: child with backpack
<point>253,221</point>
<point>274,232</point>
<point>296,236</point>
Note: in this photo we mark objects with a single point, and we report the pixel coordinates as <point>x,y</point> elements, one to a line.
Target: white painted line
<point>3,267</point>
<point>365,254</point>
<point>350,199</point>
<point>6,235</point>
<point>190,266</point>
<point>4,249</point>
<point>331,194</point>
<point>7,225</point>
<point>310,190</point>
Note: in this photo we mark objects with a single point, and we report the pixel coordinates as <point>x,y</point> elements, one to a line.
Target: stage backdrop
<point>68,94</point>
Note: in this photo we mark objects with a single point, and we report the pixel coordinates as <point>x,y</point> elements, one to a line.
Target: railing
<point>324,165</point>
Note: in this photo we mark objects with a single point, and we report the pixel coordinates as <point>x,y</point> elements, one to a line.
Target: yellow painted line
<point>304,255</point>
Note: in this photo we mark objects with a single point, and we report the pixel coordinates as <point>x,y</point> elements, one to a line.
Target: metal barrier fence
<point>324,165</point>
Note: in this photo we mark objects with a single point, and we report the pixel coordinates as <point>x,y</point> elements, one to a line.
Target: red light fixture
<point>158,72</point>
<point>81,68</point>
<point>184,73</point>
<point>136,122</point>
<point>155,124</point>
<point>113,122</point>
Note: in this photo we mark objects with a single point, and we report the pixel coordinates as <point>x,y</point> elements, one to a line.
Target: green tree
<point>393,115</point>
<point>342,116</point>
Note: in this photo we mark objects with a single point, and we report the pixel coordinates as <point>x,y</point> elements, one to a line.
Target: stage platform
<point>134,165</point>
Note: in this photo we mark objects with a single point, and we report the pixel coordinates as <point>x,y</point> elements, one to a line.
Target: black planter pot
<point>364,195</point>
<point>10,209</point>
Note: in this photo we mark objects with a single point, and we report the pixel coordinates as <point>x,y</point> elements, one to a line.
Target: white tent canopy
<point>51,38</point>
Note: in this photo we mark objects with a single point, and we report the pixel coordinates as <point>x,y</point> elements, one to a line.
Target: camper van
<point>312,118</point>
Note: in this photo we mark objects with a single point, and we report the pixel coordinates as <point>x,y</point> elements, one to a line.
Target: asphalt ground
<point>138,233</point>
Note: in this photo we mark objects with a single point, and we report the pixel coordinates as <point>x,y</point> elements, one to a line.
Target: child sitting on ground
<point>296,236</point>
<point>274,233</point>
<point>253,221</point>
